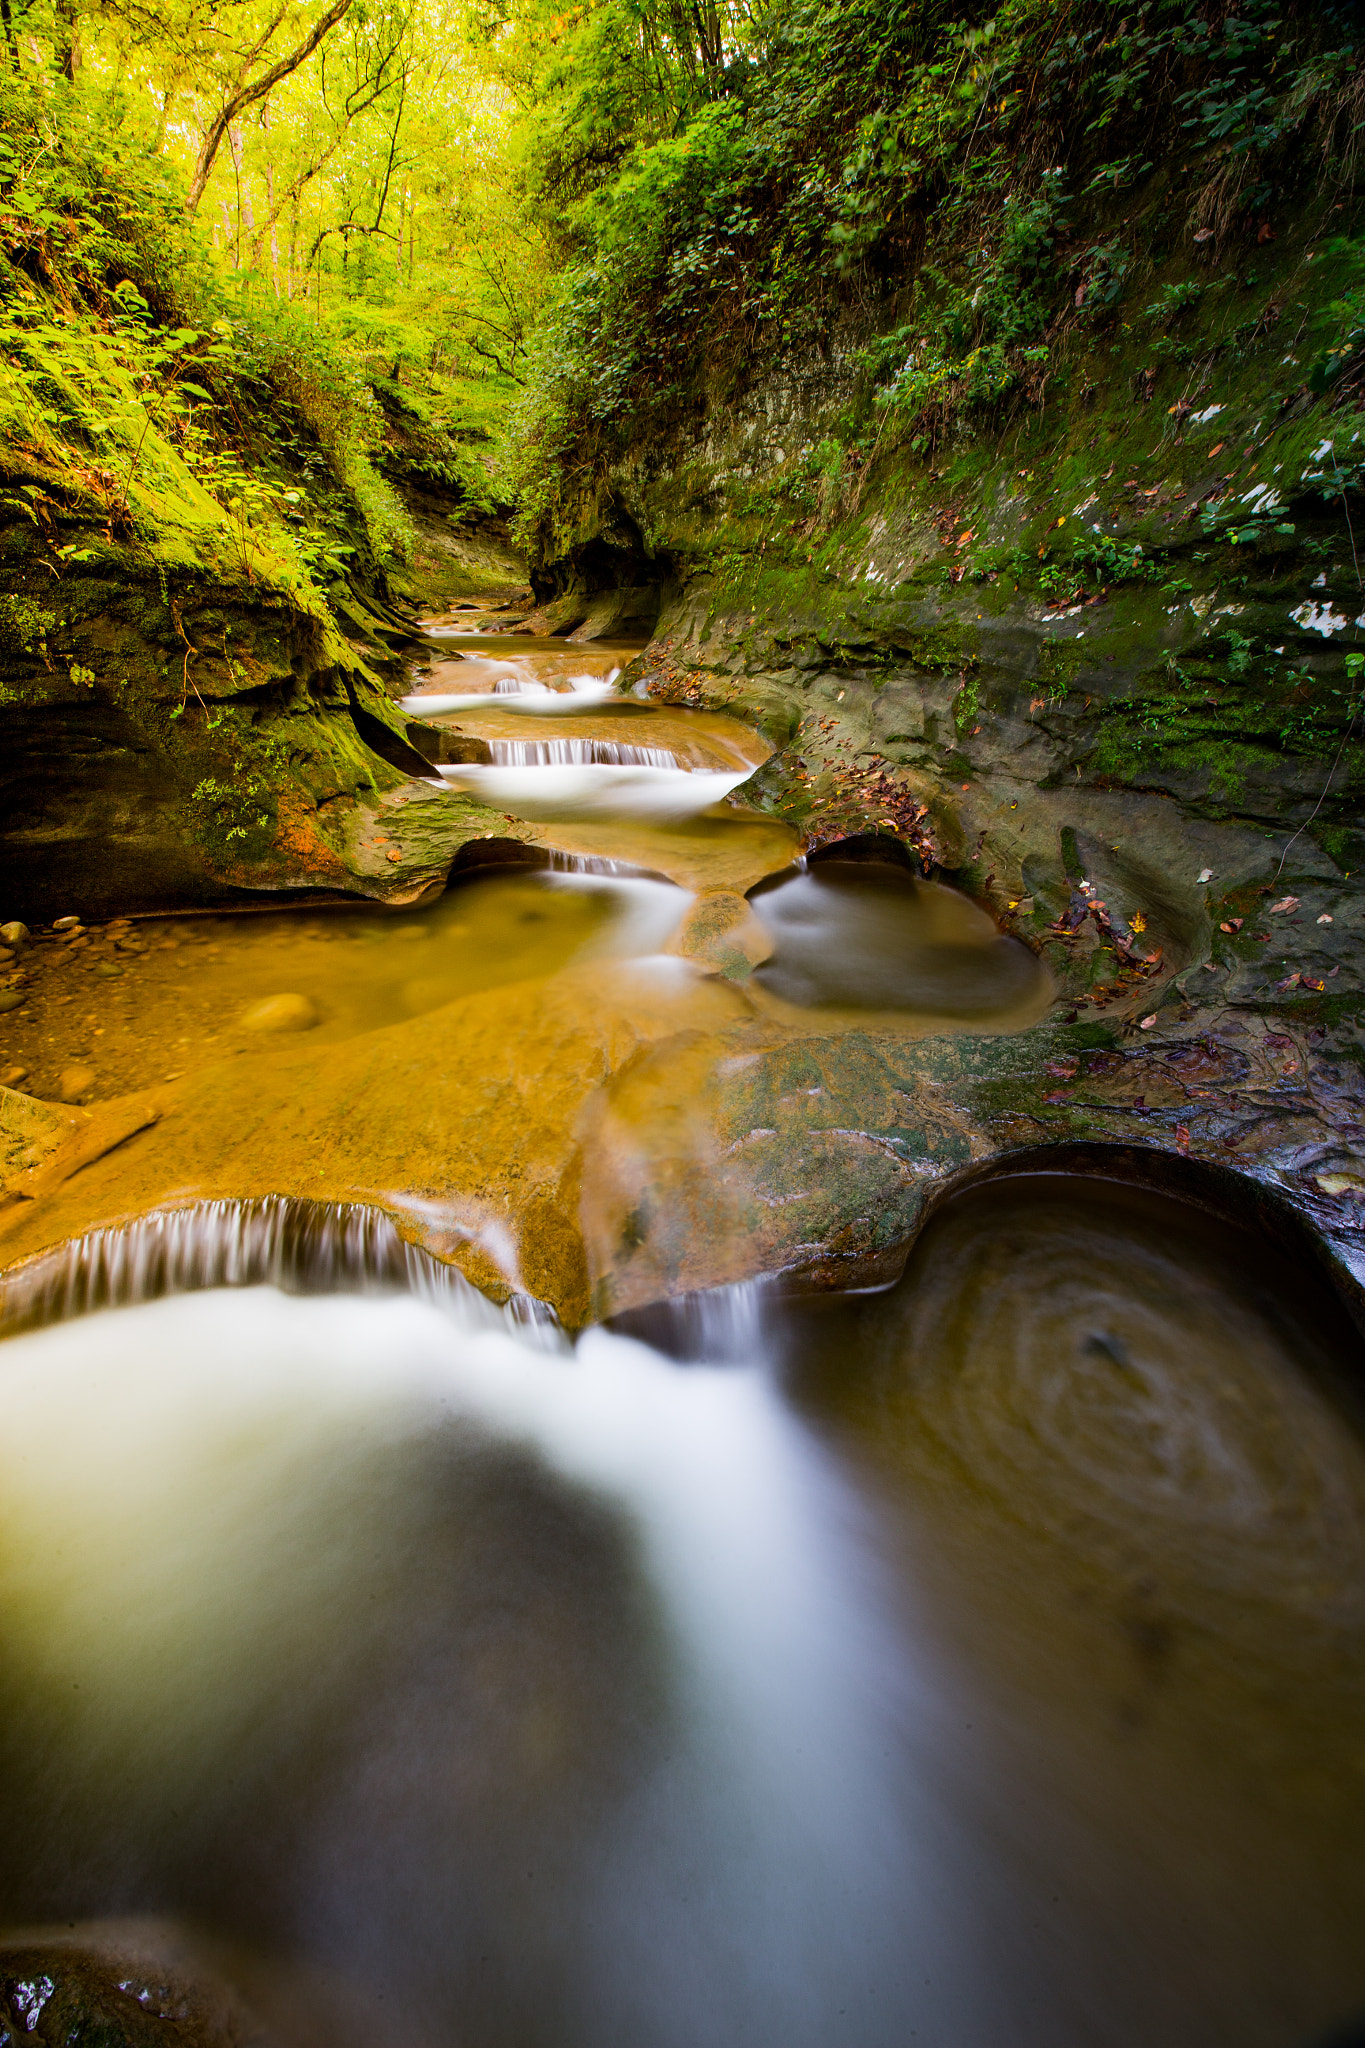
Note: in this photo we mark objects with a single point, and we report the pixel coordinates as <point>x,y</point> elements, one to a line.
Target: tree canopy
<point>575,219</point>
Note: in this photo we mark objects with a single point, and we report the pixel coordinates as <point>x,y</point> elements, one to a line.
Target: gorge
<point>682,1225</point>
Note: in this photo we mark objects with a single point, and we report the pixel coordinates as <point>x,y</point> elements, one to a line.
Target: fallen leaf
<point>1182,1137</point>
<point>1203,234</point>
<point>1307,981</point>
<point>1285,903</point>
<point>1341,1183</point>
<point>1147,1022</point>
<point>1066,1068</point>
<point>1137,922</point>
<point>1217,450</point>
<point>1204,875</point>
<point>1326,917</point>
<point>1233,924</point>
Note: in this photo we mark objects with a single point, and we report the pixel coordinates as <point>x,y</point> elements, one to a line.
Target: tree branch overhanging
<point>246,94</point>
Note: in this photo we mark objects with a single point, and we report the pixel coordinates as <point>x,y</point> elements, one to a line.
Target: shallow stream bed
<point>974,1660</point>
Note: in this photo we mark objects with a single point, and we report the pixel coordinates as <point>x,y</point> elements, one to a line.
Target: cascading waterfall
<point>595,790</point>
<point>559,753</point>
<point>519,694</point>
<point>743,1868</point>
<point>303,1247</point>
<point>589,864</point>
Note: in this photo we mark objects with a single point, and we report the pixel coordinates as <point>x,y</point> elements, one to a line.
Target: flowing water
<point>977,1664</point>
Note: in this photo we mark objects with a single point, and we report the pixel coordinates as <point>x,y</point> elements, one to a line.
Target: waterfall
<point>300,1246</point>
<point>590,864</point>
<point>572,753</point>
<point>592,789</point>
<point>513,693</point>
<point>246,1510</point>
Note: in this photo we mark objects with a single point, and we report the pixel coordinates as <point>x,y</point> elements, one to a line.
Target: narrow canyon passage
<point>974,1661</point>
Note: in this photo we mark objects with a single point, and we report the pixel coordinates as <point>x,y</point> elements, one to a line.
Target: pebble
<point>6,957</point>
<point>12,1076</point>
<point>14,933</point>
<point>66,924</point>
<point>10,999</point>
<point>73,1082</point>
<point>280,1013</point>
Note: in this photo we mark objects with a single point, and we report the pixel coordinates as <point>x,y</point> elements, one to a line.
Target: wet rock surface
<point>609,1136</point>
<point>119,1986</point>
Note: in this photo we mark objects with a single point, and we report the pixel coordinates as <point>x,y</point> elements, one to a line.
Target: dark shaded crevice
<point>381,739</point>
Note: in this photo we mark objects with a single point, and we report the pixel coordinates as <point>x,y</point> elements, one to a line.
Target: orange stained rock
<point>464,1123</point>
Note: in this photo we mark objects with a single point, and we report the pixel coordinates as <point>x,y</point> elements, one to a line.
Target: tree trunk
<point>65,48</point>
<point>246,95</point>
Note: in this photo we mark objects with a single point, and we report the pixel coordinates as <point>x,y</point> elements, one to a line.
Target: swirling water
<point>502,1694</point>
<point>978,1663</point>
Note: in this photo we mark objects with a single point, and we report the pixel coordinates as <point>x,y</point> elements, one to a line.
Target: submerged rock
<point>721,931</point>
<point>73,1082</point>
<point>280,1013</point>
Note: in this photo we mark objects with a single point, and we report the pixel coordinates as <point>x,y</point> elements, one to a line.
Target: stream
<point>976,1661</point>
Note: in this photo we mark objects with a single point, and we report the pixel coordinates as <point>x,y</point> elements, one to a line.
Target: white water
<point>509,693</point>
<point>646,912</point>
<point>590,791</point>
<point>575,753</point>
<point>310,1246</point>
<point>205,1499</point>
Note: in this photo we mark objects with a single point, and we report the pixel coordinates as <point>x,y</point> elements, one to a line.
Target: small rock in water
<point>14,933</point>
<point>66,924</point>
<point>12,1076</point>
<point>6,957</point>
<point>280,1013</point>
<point>73,1082</point>
<point>11,998</point>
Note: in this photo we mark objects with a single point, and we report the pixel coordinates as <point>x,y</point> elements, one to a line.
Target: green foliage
<point>230,815</point>
<point>947,181</point>
<point>1096,561</point>
<point>136,389</point>
<point>24,625</point>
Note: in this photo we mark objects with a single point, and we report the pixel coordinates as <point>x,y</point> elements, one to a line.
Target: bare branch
<point>345,227</point>
<point>246,95</point>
